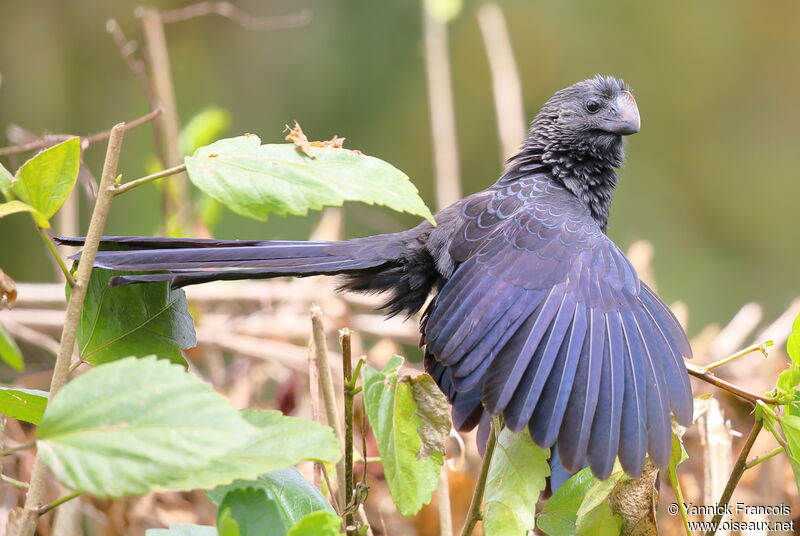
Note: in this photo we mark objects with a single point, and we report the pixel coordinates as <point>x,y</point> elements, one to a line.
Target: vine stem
<point>736,475</point>
<point>58,502</point>
<point>52,248</point>
<point>347,373</point>
<point>480,487</point>
<point>328,392</point>
<point>708,377</point>
<point>122,188</point>
<point>27,522</point>
<point>758,459</point>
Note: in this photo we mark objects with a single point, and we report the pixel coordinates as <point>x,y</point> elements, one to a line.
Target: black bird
<point>537,316</point>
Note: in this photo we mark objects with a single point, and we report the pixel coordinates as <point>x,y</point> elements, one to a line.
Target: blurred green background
<point>711,180</point>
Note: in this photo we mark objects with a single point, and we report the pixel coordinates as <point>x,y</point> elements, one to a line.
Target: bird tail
<point>373,264</point>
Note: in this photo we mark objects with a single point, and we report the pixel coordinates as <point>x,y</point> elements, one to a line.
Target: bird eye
<point>592,106</point>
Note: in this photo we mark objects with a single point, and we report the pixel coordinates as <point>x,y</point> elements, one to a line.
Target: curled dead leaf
<point>8,291</point>
<point>298,137</point>
<point>433,410</point>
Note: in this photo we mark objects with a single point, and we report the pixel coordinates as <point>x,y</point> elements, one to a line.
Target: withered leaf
<point>433,411</point>
<point>8,291</point>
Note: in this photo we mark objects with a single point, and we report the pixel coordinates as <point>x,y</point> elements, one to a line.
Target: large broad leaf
<point>317,524</point>
<point>134,426</point>
<point>16,206</point>
<point>793,343</point>
<point>9,351</point>
<point>410,433</point>
<point>560,512</point>
<point>790,424</point>
<point>249,512</point>
<point>6,178</point>
<point>294,496</point>
<point>183,530</point>
<point>257,180</point>
<point>516,478</point>
<point>23,404</point>
<point>133,320</point>
<point>595,515</point>
<point>46,180</point>
<point>281,442</point>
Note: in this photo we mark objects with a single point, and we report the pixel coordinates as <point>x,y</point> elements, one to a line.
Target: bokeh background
<point>711,180</point>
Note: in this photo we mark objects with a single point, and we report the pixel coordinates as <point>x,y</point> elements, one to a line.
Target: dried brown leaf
<point>298,137</point>
<point>434,412</point>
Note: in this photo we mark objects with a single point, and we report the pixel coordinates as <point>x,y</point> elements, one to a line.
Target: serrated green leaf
<point>248,512</point>
<point>560,512</point>
<point>516,478</point>
<point>790,424</point>
<point>6,179</point>
<point>13,207</point>
<point>281,442</point>
<point>317,524</point>
<point>205,127</point>
<point>133,320</point>
<point>595,516</point>
<point>23,404</point>
<point>410,465</point>
<point>183,530</point>
<point>257,180</point>
<point>134,426</point>
<point>46,180</point>
<point>793,343</point>
<point>293,494</point>
<point>9,351</point>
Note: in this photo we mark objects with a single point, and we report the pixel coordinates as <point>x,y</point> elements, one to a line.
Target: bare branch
<point>230,11</point>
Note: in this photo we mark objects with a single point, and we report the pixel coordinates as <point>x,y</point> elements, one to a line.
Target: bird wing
<point>545,318</point>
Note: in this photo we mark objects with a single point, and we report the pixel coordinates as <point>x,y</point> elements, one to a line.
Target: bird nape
<point>537,316</point>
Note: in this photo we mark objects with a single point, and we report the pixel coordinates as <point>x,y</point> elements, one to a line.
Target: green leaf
<point>790,424</point>
<point>183,530</point>
<point>793,343</point>
<point>516,478</point>
<point>6,179</point>
<point>9,351</point>
<point>134,426</point>
<point>317,524</point>
<point>595,516</point>
<point>257,180</point>
<point>294,496</point>
<point>411,463</point>
<point>281,442</point>
<point>203,128</point>
<point>13,207</point>
<point>248,512</point>
<point>133,320</point>
<point>46,180</point>
<point>560,512</point>
<point>23,404</point>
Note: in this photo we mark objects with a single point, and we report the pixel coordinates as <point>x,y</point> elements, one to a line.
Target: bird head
<point>588,118</point>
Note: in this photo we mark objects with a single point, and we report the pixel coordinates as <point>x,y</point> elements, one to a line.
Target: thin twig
<point>736,474</point>
<point>52,139</point>
<point>230,11</point>
<point>477,496</point>
<point>30,514</point>
<point>759,459</point>
<point>54,252</point>
<point>445,512</point>
<point>127,50</point>
<point>58,502</point>
<point>762,347</point>
<point>14,482</point>
<point>122,188</point>
<point>440,101</point>
<point>347,375</point>
<point>506,86</point>
<point>328,393</point>
<point>331,492</point>
<point>16,448</point>
<point>703,374</point>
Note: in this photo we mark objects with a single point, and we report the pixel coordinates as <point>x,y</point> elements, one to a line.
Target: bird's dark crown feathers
<point>568,142</point>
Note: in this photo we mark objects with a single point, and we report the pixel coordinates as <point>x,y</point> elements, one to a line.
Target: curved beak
<point>626,119</point>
